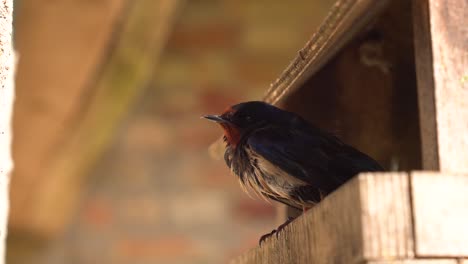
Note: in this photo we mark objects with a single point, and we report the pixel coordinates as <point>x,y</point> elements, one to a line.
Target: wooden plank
<point>386,216</point>
<point>440,208</point>
<point>441,42</point>
<point>345,19</point>
<point>362,220</point>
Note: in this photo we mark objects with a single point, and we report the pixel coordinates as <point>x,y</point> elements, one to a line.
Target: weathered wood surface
<point>371,219</point>
<point>367,93</point>
<point>345,19</point>
<point>361,220</point>
<point>130,57</point>
<point>440,205</point>
<point>7,95</point>
<point>436,203</point>
<point>385,215</point>
<point>441,44</point>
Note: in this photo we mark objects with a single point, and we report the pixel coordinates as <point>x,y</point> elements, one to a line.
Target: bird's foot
<point>276,231</point>
<point>265,236</point>
<point>283,225</point>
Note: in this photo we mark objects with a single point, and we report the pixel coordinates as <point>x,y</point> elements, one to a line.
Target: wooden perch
<point>378,218</point>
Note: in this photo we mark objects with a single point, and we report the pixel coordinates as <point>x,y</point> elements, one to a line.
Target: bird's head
<point>241,119</point>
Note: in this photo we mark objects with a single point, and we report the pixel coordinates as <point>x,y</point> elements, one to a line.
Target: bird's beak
<point>215,118</point>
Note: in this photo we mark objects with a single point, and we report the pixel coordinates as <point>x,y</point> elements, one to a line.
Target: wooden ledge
<point>378,218</point>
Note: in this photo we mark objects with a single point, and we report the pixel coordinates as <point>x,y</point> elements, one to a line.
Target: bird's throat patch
<point>232,134</point>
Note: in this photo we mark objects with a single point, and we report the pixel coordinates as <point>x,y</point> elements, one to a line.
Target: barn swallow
<point>278,155</point>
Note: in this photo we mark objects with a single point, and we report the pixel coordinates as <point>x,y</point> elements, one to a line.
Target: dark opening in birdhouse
<point>366,93</point>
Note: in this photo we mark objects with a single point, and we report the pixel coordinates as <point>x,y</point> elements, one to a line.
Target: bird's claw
<point>265,236</point>
<point>275,231</point>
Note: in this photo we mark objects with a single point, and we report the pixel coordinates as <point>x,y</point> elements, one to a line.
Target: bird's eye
<point>248,118</point>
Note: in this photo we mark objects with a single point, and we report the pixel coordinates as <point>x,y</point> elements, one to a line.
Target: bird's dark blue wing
<point>311,155</point>
<point>294,152</point>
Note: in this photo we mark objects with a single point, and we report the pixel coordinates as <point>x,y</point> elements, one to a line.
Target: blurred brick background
<point>156,196</point>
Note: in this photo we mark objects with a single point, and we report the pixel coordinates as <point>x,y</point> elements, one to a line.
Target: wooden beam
<point>370,220</point>
<point>345,19</point>
<point>441,44</point>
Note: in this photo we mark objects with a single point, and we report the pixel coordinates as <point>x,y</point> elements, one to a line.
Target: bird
<point>278,155</point>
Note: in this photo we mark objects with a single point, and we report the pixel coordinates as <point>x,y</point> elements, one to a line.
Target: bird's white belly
<point>273,180</point>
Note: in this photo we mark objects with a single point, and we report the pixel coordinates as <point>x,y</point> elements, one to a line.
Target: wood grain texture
<point>345,19</point>
<point>440,208</point>
<point>359,221</point>
<point>367,93</point>
<point>441,42</point>
<point>386,216</point>
<point>317,236</point>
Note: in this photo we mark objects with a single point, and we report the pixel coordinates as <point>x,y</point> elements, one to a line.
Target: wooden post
<point>7,64</point>
<point>441,45</point>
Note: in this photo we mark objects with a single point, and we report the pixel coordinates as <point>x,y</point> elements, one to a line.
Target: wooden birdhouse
<point>389,77</point>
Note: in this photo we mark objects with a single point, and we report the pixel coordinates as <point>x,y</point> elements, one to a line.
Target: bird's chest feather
<point>260,175</point>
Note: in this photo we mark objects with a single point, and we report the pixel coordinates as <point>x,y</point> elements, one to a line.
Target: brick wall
<point>157,196</point>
